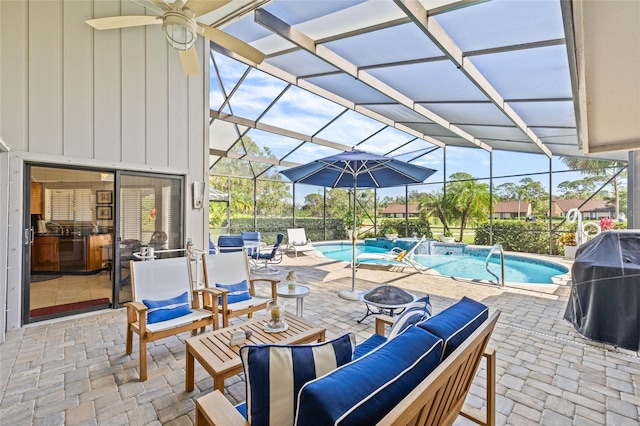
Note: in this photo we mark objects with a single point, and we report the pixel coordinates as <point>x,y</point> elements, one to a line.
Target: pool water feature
<point>459,261</point>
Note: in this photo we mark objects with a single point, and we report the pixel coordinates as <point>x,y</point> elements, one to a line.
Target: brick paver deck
<point>74,371</point>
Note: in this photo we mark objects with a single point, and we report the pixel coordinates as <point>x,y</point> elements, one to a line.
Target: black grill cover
<point>605,292</point>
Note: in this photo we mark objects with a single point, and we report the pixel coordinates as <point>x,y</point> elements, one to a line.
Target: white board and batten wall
<point>115,99</point>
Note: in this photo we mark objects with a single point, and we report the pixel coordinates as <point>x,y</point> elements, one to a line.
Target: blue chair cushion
<point>456,323</point>
<point>365,390</point>
<point>242,409</point>
<point>230,243</point>
<point>237,292</point>
<point>162,310</point>
<point>417,311</point>
<point>368,345</point>
<point>275,373</point>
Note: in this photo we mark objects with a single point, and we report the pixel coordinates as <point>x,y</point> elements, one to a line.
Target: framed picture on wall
<point>104,197</point>
<point>103,213</point>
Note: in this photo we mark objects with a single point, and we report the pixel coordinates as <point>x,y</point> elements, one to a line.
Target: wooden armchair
<point>153,283</point>
<point>232,269</point>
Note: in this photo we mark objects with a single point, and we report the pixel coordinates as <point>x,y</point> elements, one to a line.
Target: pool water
<point>517,269</point>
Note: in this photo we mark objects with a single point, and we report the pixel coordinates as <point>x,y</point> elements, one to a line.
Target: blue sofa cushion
<point>237,292</point>
<point>368,345</point>
<point>456,323</point>
<point>365,390</point>
<point>275,373</point>
<point>417,311</point>
<point>162,310</point>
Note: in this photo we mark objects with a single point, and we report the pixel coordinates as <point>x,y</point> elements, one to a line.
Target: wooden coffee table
<point>220,360</point>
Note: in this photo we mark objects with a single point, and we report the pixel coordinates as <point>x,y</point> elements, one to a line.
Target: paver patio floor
<point>74,371</point>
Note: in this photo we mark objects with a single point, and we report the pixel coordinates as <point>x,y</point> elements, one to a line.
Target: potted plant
<point>568,239</point>
<point>390,233</point>
<point>447,237</point>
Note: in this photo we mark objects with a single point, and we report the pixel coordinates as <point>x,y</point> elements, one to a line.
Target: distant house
<point>511,209</point>
<point>592,209</point>
<point>398,211</point>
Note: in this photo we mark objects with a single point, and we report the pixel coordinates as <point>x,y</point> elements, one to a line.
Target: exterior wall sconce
<point>198,194</point>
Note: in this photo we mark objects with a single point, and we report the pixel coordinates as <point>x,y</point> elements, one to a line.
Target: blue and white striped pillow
<point>275,373</point>
<point>417,311</point>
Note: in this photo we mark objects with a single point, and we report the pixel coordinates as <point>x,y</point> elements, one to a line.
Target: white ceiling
<point>607,86</point>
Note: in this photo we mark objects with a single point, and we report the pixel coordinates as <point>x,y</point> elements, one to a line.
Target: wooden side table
<point>221,361</point>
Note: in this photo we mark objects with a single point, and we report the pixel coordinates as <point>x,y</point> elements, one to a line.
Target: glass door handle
<point>28,236</point>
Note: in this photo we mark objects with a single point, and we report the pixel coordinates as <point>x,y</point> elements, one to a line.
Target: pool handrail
<point>499,247</point>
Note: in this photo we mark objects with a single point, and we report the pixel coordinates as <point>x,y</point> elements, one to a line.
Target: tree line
<point>465,202</point>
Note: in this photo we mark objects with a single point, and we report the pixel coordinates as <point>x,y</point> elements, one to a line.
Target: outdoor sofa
<point>421,376</point>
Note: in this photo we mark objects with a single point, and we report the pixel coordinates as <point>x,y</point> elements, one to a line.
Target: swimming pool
<point>471,265</point>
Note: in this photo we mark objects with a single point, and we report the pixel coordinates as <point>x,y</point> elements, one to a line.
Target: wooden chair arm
<point>136,306</point>
<point>213,291</point>
<point>137,311</point>
<point>274,286</point>
<point>381,321</point>
<point>209,298</point>
<point>215,409</point>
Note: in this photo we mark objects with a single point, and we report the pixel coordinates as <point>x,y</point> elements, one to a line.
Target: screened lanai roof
<point>399,78</point>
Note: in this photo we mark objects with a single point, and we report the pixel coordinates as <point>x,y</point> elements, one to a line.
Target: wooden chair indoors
<point>163,304</point>
<point>227,274</point>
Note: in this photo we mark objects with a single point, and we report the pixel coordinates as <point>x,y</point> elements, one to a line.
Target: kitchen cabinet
<point>72,253</point>
<point>45,254</point>
<point>99,252</point>
<point>36,198</point>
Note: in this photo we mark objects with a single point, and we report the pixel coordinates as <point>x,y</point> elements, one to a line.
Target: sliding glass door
<point>149,215</point>
<point>84,226</point>
<point>70,226</point>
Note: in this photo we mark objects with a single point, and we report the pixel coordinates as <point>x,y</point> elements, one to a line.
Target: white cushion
<point>195,315</point>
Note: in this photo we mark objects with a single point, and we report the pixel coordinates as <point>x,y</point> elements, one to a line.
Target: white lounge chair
<point>297,241</point>
<point>394,257</point>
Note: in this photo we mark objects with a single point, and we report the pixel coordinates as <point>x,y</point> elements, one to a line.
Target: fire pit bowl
<point>387,299</point>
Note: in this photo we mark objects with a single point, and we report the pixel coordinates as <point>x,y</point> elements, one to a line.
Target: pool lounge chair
<point>395,257</point>
<point>297,241</point>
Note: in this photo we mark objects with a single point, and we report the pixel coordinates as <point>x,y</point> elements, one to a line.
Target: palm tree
<point>468,199</point>
<point>432,205</point>
<point>602,168</point>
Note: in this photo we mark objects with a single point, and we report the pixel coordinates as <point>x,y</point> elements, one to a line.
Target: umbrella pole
<point>353,294</point>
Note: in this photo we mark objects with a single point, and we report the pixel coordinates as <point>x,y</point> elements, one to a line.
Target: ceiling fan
<point>179,25</point>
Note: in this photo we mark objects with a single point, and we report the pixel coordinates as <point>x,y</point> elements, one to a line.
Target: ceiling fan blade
<point>231,43</point>
<point>189,61</point>
<point>123,22</point>
<point>201,7</point>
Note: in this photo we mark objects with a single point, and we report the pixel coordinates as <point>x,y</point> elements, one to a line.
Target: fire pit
<point>387,299</point>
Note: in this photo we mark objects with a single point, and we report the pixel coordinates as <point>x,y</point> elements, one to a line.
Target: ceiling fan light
<point>179,30</point>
